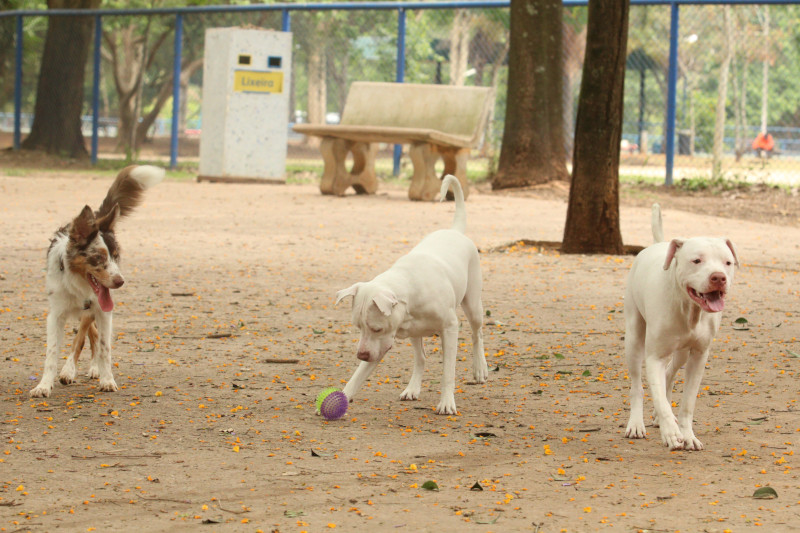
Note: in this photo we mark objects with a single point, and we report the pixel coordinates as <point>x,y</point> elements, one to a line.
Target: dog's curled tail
<point>128,188</point>
<point>460,218</point>
<point>655,223</point>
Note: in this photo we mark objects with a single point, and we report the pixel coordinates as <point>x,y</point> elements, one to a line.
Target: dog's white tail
<point>148,175</point>
<point>655,223</point>
<point>128,188</point>
<point>460,218</point>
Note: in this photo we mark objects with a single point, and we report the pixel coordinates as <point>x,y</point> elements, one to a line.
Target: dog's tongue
<point>715,301</point>
<point>104,298</point>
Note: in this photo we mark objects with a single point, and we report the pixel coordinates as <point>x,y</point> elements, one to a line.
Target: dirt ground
<point>226,330</point>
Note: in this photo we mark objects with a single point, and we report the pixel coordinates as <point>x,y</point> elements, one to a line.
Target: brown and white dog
<point>82,267</point>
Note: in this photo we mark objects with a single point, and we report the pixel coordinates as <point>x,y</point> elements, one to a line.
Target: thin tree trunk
<point>593,212</point>
<point>765,68</point>
<point>459,46</point>
<point>317,90</point>
<point>722,94</point>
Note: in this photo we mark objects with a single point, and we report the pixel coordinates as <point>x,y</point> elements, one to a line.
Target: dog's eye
<point>697,261</point>
<point>729,263</point>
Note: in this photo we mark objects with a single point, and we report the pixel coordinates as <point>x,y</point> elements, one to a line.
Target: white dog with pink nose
<point>673,302</point>
<point>417,297</point>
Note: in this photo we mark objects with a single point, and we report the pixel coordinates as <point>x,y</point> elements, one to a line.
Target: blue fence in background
<point>287,10</point>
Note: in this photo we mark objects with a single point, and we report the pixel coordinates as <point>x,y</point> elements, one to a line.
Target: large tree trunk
<point>533,138</point>
<point>56,125</point>
<point>593,213</point>
<point>722,94</point>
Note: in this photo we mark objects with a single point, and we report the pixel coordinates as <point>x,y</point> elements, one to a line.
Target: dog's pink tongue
<point>104,298</point>
<point>715,302</point>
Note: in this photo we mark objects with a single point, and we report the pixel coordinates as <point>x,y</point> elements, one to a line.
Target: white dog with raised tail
<point>673,302</point>
<point>418,297</point>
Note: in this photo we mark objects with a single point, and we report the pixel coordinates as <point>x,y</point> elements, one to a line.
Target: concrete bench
<point>438,121</point>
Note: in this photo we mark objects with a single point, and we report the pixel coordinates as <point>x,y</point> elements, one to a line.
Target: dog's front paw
<point>447,406</point>
<point>480,373</point>
<point>108,386</point>
<point>40,391</point>
<point>67,375</point>
<point>690,442</point>
<point>94,372</point>
<point>410,394</point>
<point>635,430</point>
<point>671,436</point>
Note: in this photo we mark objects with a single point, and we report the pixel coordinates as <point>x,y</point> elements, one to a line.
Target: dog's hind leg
<point>695,366</point>
<point>447,403</point>
<point>473,309</point>
<point>415,383</point>
<point>69,369</point>
<point>101,361</point>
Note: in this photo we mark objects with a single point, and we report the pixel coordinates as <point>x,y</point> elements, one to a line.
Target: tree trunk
<point>317,90</point>
<point>7,38</point>
<point>129,53</point>
<point>533,138</point>
<point>593,212</point>
<point>164,94</point>
<point>722,94</point>
<point>765,67</point>
<point>459,46</point>
<point>56,125</point>
<point>491,138</point>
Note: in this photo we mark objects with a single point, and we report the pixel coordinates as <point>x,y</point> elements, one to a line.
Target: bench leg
<point>362,176</point>
<point>335,177</point>
<point>425,184</point>
<point>455,163</point>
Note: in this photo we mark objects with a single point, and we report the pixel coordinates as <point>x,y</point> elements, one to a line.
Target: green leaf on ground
<point>430,485</point>
<point>765,493</point>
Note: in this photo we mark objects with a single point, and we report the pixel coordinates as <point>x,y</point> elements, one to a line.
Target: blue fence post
<point>286,20</point>
<point>400,76</point>
<point>98,41</point>
<point>176,90</point>
<point>672,84</point>
<point>18,86</point>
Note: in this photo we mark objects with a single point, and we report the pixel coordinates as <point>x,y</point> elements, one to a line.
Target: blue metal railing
<point>286,9</point>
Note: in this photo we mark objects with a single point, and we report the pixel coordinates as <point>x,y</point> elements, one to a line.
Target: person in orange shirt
<point>763,144</point>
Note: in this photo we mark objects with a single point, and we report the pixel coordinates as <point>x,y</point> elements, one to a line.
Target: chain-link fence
<point>736,71</point>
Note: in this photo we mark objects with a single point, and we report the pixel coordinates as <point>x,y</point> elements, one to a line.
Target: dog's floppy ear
<point>385,301</point>
<point>674,246</point>
<point>108,222</point>
<point>349,291</point>
<point>84,227</point>
<point>733,251</point>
